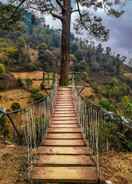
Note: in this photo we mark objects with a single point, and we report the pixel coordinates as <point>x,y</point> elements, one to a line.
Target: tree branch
<point>56,16</point>
<point>79,11</point>
<point>60,5</point>
<point>80,14</point>
<point>14,12</point>
<point>74,11</point>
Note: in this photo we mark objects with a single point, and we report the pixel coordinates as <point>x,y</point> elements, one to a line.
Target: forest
<point>33,56</point>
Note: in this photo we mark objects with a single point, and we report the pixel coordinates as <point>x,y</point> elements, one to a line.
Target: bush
<point>20,82</point>
<point>24,83</point>
<point>15,106</point>
<point>28,83</point>
<point>2,69</point>
<point>106,104</point>
<point>4,129</point>
<point>32,67</point>
<point>36,95</point>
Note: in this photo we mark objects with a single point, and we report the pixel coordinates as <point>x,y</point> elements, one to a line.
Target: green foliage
<point>28,83</point>
<point>48,36</point>
<point>115,89</point>
<point>32,67</point>
<point>24,83</point>
<point>64,82</point>
<point>125,101</point>
<point>36,95</point>
<point>43,46</point>
<point>2,69</point>
<point>106,104</point>
<point>46,59</point>
<point>114,135</point>
<point>15,106</point>
<point>7,21</point>
<point>4,129</point>
<point>7,47</point>
<point>21,42</point>
<point>20,82</point>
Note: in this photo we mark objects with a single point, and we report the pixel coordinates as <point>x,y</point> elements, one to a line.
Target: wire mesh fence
<point>103,131</point>
<point>28,126</point>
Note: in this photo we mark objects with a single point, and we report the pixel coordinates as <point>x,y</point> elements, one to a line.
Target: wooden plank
<point>58,142</point>
<point>62,111</point>
<point>63,150</point>
<point>63,122</point>
<point>64,130</point>
<point>64,118</point>
<point>64,160</point>
<point>56,114</point>
<point>75,125</point>
<point>64,136</point>
<point>65,174</point>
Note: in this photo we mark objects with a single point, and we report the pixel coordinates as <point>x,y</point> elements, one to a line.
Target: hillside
<point>65,101</point>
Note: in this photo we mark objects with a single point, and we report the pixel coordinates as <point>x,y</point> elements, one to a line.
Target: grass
<point>23,96</point>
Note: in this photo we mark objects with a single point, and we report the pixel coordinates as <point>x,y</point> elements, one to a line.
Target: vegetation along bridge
<point>66,136</point>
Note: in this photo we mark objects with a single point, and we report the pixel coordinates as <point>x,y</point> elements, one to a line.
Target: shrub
<point>24,83</point>
<point>4,129</point>
<point>36,95</point>
<point>32,67</point>
<point>106,104</point>
<point>20,82</point>
<point>2,69</point>
<point>15,106</point>
<point>28,83</point>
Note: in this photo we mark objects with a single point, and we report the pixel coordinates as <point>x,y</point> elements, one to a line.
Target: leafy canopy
<point>85,19</point>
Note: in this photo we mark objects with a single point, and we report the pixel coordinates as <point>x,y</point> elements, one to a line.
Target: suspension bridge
<point>65,136</point>
<point>63,154</point>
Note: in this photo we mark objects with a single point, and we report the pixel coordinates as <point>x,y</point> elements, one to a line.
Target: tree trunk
<point>65,42</point>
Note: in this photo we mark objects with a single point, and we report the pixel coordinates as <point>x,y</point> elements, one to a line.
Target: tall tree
<point>62,10</point>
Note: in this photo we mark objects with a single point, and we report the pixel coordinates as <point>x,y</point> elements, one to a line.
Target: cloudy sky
<point>120,29</point>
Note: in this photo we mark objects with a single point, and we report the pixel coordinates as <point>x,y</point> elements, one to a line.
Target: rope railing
<point>28,126</point>
<point>103,131</point>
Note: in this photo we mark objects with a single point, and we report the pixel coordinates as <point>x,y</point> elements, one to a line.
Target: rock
<point>7,81</point>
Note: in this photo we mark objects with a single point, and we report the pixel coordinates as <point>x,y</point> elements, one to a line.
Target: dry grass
<point>30,75</point>
<point>13,165</point>
<point>16,95</point>
<point>117,167</point>
<point>20,95</point>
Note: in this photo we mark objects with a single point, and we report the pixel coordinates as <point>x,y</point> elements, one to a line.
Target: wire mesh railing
<point>103,131</point>
<point>28,126</point>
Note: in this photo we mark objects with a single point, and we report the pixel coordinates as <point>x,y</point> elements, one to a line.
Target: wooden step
<point>64,103</point>
<point>64,136</point>
<point>75,125</point>
<point>62,111</point>
<point>59,142</point>
<point>63,115</point>
<point>64,160</point>
<point>64,122</point>
<point>64,99</point>
<point>58,108</point>
<point>63,150</point>
<point>64,118</point>
<point>64,106</point>
<point>64,130</point>
<point>64,174</point>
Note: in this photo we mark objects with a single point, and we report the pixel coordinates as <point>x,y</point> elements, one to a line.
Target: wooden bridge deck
<point>63,155</point>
